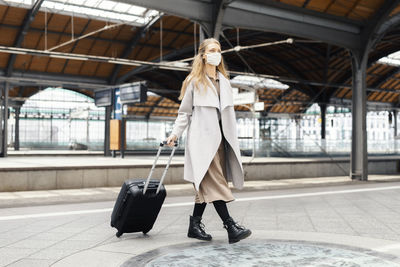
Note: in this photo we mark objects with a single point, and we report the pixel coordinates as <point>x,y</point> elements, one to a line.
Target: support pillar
<point>123,130</point>
<point>297,119</point>
<point>323,121</point>
<point>359,154</point>
<point>107,119</point>
<point>201,34</point>
<point>395,112</point>
<point>4,120</point>
<point>16,133</point>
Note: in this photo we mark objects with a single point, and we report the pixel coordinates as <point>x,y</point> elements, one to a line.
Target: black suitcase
<point>140,201</point>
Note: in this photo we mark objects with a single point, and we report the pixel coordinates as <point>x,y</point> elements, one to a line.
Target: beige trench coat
<point>198,112</point>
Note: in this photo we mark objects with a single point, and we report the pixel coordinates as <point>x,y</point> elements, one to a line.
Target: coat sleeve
<point>184,112</point>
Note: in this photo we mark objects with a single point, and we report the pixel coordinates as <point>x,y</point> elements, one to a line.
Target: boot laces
<point>234,224</point>
<point>201,226</point>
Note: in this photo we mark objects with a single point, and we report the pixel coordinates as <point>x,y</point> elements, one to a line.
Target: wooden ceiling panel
<point>115,50</point>
<point>38,64</point>
<point>379,69</point>
<point>319,5</point>
<point>341,92</point>
<point>88,69</point>
<point>395,11</point>
<point>98,48</point>
<point>142,52</point>
<point>53,41</point>
<point>3,12</point>
<point>387,97</point>
<point>4,60</point>
<point>127,33</point>
<point>55,22</point>
<point>394,84</point>
<point>341,8</point>
<point>394,98</point>
<point>32,39</point>
<point>81,47</point>
<point>22,62</point>
<point>125,69</point>
<point>365,9</point>
<point>15,16</point>
<point>104,70</point>
<point>348,94</point>
<point>11,35</point>
<point>13,91</point>
<point>373,96</point>
<point>74,66</point>
<point>56,65</point>
<point>380,96</point>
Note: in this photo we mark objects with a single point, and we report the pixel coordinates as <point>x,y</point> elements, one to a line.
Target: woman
<point>212,155</point>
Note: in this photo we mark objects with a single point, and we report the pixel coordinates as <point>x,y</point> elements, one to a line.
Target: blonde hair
<point>198,72</point>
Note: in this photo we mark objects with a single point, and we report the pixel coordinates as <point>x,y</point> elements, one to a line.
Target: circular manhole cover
<point>262,253</point>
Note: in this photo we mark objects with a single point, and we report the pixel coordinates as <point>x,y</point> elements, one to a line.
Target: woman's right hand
<point>171,140</point>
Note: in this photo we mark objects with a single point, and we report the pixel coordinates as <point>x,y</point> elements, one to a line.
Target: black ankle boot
<point>196,229</point>
<point>235,231</point>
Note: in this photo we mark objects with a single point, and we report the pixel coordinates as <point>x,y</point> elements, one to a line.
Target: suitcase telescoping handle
<point>154,165</point>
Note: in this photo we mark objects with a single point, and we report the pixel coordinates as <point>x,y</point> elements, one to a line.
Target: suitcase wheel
<point>118,234</point>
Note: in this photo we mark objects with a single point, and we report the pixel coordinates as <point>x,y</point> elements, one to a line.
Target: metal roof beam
<point>219,7</point>
<point>97,38</point>
<point>46,79</point>
<point>267,16</point>
<point>30,16</point>
<point>296,22</point>
<point>376,27</point>
<point>131,46</point>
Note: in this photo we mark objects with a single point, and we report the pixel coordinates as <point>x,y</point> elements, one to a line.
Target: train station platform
<point>58,171</point>
<point>353,224</point>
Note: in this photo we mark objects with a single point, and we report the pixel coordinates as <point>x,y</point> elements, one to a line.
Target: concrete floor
<point>362,217</point>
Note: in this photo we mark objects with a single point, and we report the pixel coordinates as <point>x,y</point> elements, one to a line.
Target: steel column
<point>122,137</point>
<point>107,119</point>
<point>323,120</point>
<point>359,156</point>
<point>201,35</point>
<point>395,112</point>
<point>4,119</point>
<point>16,130</point>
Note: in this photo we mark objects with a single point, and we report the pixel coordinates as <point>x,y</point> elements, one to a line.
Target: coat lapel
<point>206,97</point>
<point>209,96</point>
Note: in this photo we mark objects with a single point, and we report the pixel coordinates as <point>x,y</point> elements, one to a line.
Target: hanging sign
<point>103,98</point>
<point>133,92</point>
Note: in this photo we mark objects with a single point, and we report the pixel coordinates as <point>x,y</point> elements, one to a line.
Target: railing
<point>263,148</point>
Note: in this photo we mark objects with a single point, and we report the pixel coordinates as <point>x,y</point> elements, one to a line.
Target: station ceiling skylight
<point>257,83</point>
<point>392,59</point>
<point>104,10</point>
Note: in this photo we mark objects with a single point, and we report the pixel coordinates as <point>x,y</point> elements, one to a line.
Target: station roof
<point>316,70</point>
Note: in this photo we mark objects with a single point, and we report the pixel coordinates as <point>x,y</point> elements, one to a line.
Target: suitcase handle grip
<point>154,165</point>
<point>165,142</point>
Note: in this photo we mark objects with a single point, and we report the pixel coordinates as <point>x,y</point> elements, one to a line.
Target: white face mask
<point>213,58</point>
